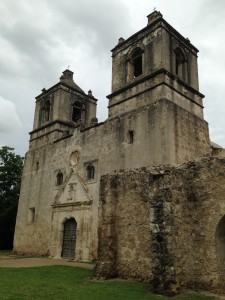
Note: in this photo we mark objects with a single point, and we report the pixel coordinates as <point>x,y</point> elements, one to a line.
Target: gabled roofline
<point>159,20</point>
<point>67,86</point>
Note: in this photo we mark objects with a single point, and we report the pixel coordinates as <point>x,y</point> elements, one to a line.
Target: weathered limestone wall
<point>167,134</point>
<point>34,192</point>
<point>149,91</point>
<point>107,147</point>
<point>124,228</point>
<point>165,225</point>
<point>52,205</point>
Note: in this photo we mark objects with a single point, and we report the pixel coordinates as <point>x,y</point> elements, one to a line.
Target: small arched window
<point>180,64</point>
<point>136,60</point>
<point>90,172</point>
<point>45,113</point>
<point>59,178</point>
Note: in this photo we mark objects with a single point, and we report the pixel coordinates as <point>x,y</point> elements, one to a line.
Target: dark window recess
<point>177,64</point>
<point>90,172</point>
<point>45,114</point>
<point>137,62</point>
<point>180,63</point>
<point>76,112</point>
<point>31,214</point>
<point>59,178</point>
<point>130,137</point>
<point>37,166</point>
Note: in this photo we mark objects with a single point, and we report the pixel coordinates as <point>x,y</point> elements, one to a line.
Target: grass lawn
<point>64,282</point>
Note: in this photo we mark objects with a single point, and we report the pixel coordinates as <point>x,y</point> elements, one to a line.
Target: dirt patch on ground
<point>13,262</point>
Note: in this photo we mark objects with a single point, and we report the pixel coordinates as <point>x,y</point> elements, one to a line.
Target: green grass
<point>64,282</point>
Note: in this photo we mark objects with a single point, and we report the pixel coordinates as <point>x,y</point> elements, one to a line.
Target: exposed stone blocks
<point>161,225</point>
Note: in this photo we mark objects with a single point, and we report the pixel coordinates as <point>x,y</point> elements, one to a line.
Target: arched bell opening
<point>134,64</point>
<point>180,64</point>
<point>45,112</point>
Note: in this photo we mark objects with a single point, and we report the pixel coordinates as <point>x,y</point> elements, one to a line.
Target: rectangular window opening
<point>37,166</point>
<point>130,137</point>
<point>31,216</point>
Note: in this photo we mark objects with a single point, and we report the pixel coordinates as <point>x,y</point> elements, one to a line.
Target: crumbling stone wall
<point>165,225</point>
<point>124,233</point>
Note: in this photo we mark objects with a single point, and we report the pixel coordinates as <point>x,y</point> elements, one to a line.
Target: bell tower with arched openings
<point>156,70</point>
<point>61,109</point>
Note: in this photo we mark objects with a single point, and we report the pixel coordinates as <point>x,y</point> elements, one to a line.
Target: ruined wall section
<point>124,233</point>
<point>178,213</point>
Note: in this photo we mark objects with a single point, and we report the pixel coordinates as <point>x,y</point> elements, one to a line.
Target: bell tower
<point>156,70</point>
<point>60,110</point>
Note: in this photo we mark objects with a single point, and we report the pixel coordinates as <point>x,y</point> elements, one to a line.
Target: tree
<point>11,166</point>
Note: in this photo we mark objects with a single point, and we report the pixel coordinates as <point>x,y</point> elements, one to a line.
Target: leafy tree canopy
<point>11,166</point>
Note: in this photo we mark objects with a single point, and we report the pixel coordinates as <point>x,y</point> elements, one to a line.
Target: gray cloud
<point>10,124</point>
<point>9,120</point>
<point>98,22</point>
<point>39,39</point>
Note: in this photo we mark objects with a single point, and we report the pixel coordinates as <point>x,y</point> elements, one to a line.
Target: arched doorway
<point>69,238</point>
<point>220,244</point>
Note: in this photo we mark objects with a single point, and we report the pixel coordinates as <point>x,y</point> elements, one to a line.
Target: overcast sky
<point>40,39</point>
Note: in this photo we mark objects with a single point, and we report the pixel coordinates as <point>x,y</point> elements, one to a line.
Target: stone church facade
<point>96,191</point>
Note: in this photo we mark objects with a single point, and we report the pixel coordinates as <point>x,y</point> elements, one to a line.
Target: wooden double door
<point>69,239</point>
